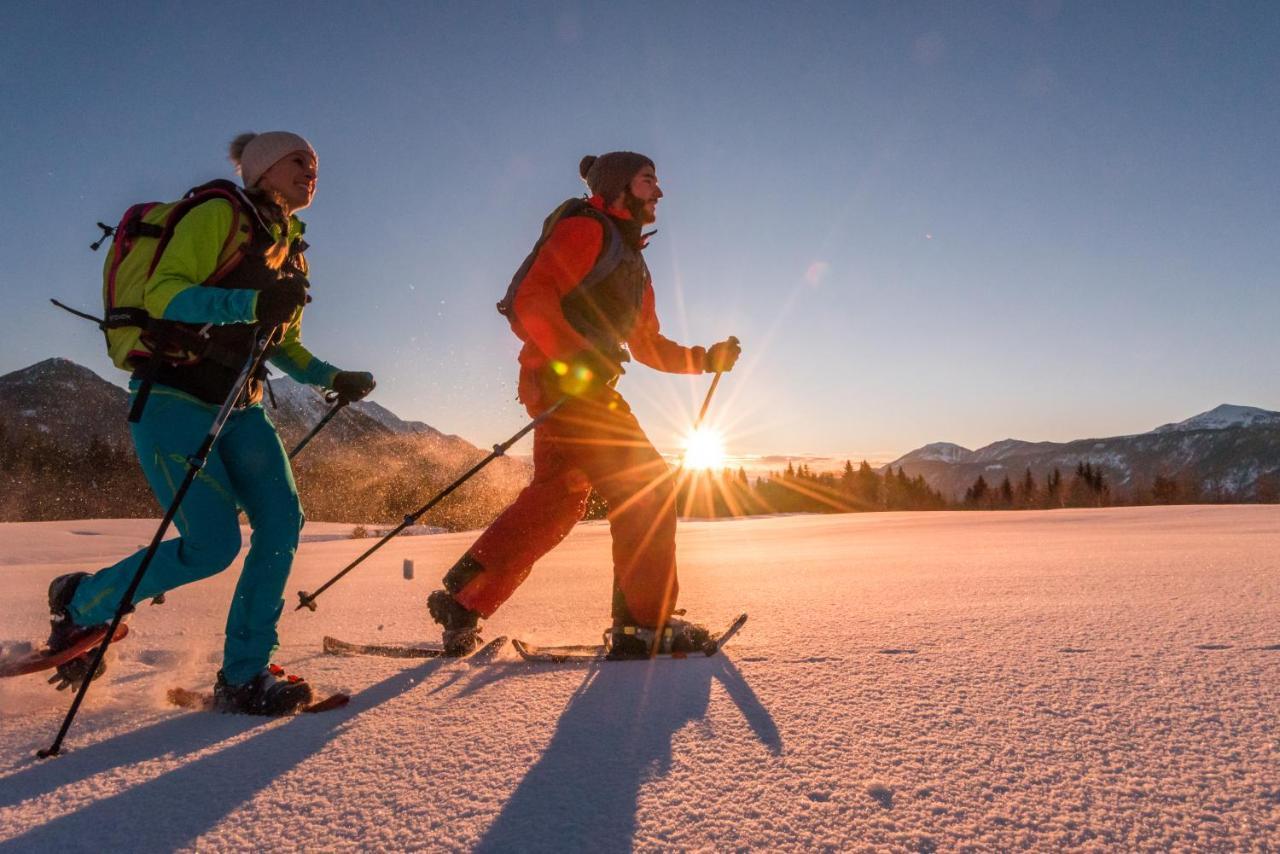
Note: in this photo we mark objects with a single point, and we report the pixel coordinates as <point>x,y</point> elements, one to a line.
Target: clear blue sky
<point>925,221</point>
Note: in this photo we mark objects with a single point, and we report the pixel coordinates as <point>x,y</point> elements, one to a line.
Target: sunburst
<point>704,449</point>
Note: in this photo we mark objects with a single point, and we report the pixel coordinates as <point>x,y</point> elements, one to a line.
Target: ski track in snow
<point>917,682</point>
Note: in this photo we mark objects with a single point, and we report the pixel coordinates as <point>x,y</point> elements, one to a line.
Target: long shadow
<point>615,735</point>
<point>179,735</point>
<point>175,808</point>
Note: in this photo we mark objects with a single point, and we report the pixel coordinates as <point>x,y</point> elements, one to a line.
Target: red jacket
<point>564,260</point>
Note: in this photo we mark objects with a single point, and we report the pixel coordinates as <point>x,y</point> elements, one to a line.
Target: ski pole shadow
<point>178,734</point>
<point>181,804</point>
<point>615,735</point>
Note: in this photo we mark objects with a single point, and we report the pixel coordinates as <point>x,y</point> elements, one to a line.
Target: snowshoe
<point>461,626</point>
<point>64,633</point>
<point>678,636</point>
<point>272,692</point>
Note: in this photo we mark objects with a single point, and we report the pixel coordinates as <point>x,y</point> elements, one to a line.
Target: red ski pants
<point>587,443</point>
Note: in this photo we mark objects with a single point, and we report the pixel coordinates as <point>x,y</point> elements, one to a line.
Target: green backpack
<point>133,336</point>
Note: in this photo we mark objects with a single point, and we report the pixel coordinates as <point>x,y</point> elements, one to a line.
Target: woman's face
<point>293,179</point>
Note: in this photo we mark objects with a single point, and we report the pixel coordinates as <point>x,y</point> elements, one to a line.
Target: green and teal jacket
<point>188,286</point>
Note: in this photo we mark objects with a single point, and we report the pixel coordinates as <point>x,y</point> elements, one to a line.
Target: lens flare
<point>704,449</point>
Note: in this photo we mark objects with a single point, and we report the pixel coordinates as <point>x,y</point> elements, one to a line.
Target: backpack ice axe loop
<point>308,600</point>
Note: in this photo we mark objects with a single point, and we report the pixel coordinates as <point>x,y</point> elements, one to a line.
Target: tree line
<point>800,489</point>
<point>863,489</point>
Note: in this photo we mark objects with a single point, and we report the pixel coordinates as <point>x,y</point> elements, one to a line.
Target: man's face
<point>645,192</point>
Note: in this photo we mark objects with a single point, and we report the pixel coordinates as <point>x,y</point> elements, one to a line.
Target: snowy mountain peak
<point>946,452</point>
<point>55,370</point>
<point>393,422</point>
<point>1222,417</point>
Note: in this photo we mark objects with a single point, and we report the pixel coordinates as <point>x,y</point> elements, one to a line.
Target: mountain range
<point>65,452</point>
<point>1228,453</point>
<point>63,427</point>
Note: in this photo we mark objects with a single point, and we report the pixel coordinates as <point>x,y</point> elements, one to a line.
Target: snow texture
<point>1077,679</point>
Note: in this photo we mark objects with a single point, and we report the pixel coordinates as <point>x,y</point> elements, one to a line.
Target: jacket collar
<point>627,225</point>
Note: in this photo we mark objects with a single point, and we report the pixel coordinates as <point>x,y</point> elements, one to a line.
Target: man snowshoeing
<point>583,307</point>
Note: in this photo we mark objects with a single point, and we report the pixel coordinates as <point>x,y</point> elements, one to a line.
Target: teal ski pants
<point>248,469</point>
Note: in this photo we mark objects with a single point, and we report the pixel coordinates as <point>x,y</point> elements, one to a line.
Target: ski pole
<point>195,463</point>
<point>339,402</point>
<point>308,600</point>
<point>715,381</point>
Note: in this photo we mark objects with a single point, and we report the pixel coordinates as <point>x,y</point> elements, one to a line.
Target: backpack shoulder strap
<point>610,249</point>
<point>606,262</point>
<point>241,208</point>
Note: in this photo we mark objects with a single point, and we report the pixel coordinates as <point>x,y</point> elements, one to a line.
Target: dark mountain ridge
<point>65,452</point>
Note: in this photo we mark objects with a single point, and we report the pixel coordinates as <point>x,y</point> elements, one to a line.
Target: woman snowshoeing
<point>229,265</point>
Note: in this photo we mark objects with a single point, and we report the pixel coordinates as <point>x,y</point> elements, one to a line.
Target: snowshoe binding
<point>64,633</point>
<point>679,637</point>
<point>461,626</point>
<point>272,693</point>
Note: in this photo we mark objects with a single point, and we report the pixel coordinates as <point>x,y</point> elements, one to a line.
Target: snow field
<point>952,681</point>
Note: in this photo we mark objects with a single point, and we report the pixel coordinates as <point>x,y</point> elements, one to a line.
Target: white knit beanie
<point>255,153</point>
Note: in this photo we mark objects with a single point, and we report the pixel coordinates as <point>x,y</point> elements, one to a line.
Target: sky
<point>924,221</point>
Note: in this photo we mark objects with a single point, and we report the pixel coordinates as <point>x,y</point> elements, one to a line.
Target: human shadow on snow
<point>615,735</point>
<point>175,808</point>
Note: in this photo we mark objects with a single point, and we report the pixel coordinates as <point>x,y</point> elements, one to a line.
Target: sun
<point>704,449</point>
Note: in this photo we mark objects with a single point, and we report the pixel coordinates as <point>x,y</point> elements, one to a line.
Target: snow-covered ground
<point>981,681</point>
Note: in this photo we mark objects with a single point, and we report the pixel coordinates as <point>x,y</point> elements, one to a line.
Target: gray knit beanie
<point>255,153</point>
<point>609,174</point>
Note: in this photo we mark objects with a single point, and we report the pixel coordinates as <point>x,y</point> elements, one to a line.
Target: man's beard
<point>636,207</point>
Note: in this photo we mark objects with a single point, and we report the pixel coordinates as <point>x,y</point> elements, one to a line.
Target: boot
<point>461,634</point>
<point>64,632</point>
<point>272,692</point>
<point>678,636</point>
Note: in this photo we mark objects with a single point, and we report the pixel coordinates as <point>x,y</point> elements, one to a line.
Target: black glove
<point>278,302</point>
<point>353,385</point>
<point>722,357</point>
<point>583,374</point>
